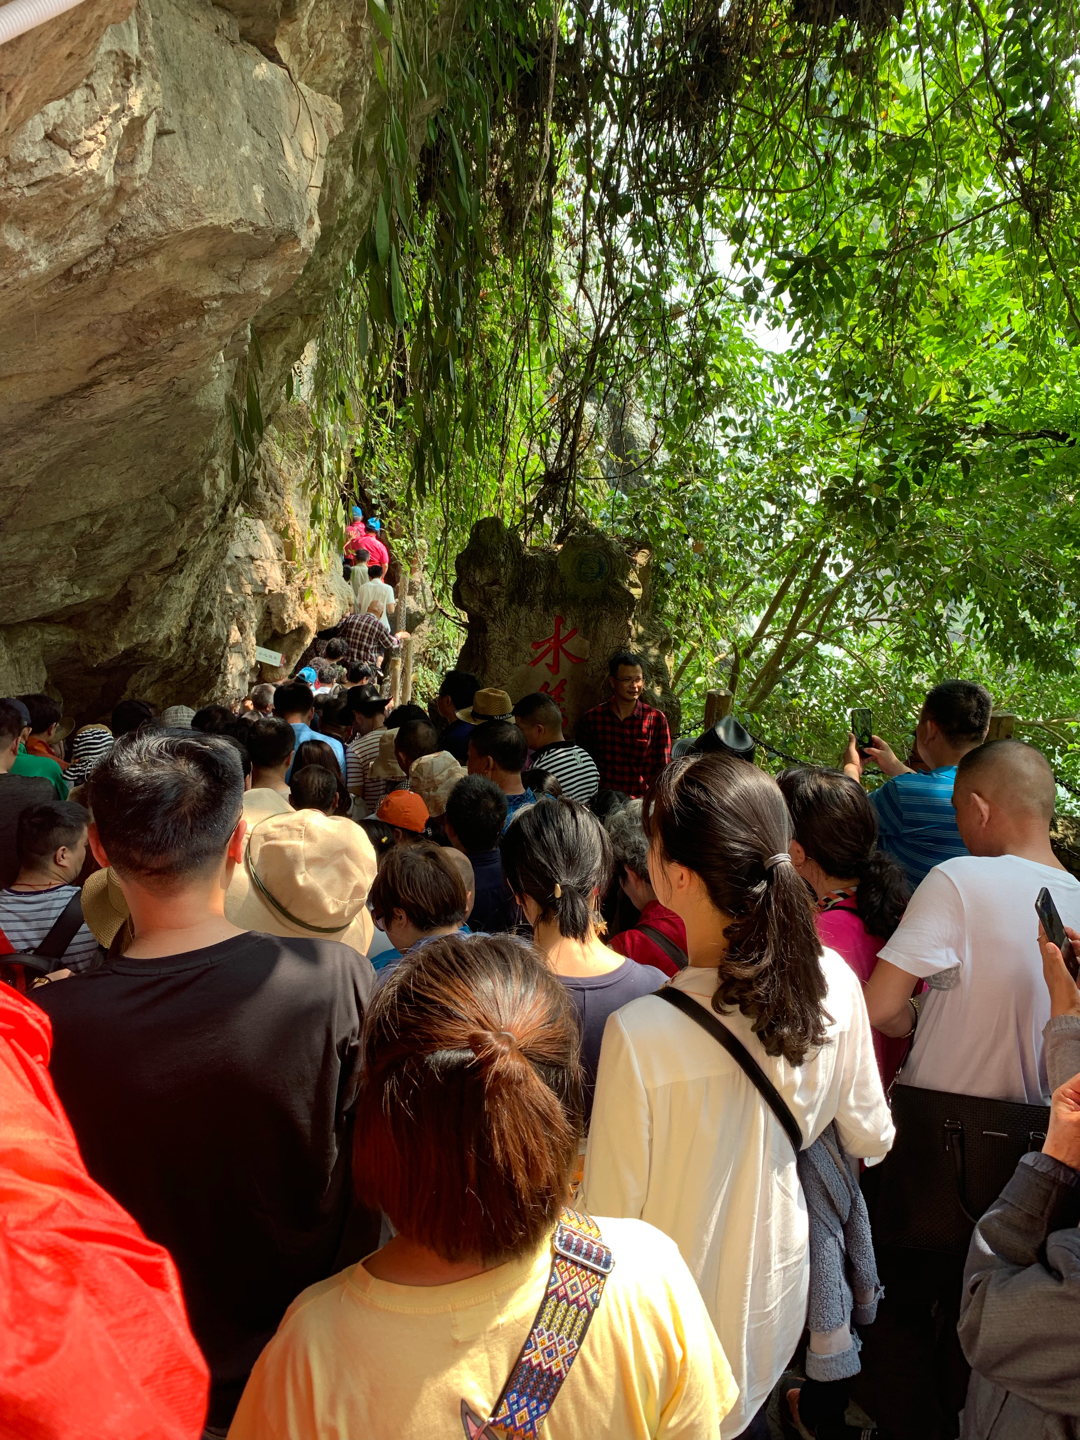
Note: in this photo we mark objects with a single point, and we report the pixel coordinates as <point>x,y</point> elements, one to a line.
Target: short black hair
<point>213,719</point>
<point>44,828</point>
<point>358,671</point>
<point>166,803</point>
<point>313,787</point>
<point>374,571</point>
<point>624,657</point>
<point>336,649</point>
<point>270,742</point>
<point>128,715</point>
<point>416,738</point>
<point>43,712</point>
<point>234,736</point>
<point>476,809</point>
<point>961,710</point>
<point>404,713</point>
<point>11,722</point>
<point>460,686</point>
<point>539,707</point>
<point>294,698</point>
<point>503,742</point>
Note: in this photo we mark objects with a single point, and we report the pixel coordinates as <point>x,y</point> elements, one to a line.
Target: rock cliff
<point>173,175</point>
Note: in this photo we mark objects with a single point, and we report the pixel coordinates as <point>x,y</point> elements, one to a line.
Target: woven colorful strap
<point>579,1271</point>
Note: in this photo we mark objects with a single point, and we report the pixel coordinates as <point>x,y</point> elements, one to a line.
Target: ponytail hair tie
<point>779,859</point>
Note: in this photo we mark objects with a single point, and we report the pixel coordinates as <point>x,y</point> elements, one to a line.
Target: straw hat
<point>63,730</point>
<point>488,705</point>
<point>305,875</point>
<point>432,777</point>
<point>103,905</point>
<point>386,766</point>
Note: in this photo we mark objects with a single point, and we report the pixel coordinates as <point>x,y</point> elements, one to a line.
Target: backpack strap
<point>63,930</point>
<point>742,1057</point>
<point>579,1270</point>
<point>661,941</point>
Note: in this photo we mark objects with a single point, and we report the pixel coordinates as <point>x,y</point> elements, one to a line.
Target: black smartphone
<point>1054,930</point>
<point>862,727</point>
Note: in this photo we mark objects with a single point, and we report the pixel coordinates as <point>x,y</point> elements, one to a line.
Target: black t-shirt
<point>495,910</point>
<point>209,1093</point>
<point>17,793</point>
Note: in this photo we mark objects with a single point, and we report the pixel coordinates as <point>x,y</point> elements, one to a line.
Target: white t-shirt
<point>367,591</point>
<point>682,1139</point>
<point>970,930</point>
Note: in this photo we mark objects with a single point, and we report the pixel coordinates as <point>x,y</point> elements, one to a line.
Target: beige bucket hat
<point>488,705</point>
<point>386,766</point>
<point>305,875</point>
<point>432,777</point>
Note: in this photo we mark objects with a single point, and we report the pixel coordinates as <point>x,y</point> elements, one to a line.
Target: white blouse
<point>681,1138</point>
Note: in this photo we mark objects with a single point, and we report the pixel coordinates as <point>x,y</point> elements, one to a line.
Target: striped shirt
<point>573,767</point>
<point>916,822</point>
<point>360,755</point>
<point>27,916</point>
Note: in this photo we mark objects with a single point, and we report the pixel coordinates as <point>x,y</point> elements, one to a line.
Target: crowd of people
<point>375,1070</point>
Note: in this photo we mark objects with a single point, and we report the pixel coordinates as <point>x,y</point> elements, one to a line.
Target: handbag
<point>580,1265</point>
<point>952,1157</point>
<point>47,955</point>
<point>742,1057</point>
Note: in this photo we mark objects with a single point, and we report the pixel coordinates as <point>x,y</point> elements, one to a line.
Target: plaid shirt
<point>629,753</point>
<point>367,637</point>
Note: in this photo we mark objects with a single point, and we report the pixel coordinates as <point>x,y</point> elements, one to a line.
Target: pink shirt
<point>841,930</point>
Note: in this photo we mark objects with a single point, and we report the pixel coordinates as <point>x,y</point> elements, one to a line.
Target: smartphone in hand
<point>1054,930</point>
<point>862,727</point>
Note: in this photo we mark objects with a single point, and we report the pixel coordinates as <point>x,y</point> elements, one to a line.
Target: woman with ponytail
<point>468,1121</point>
<point>861,892</point>
<point>680,1135</point>
<point>558,861</point>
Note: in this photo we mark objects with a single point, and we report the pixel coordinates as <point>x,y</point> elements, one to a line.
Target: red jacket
<point>94,1340</point>
<point>645,951</point>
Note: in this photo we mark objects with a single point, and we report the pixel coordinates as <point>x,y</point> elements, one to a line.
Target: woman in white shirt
<point>680,1137</point>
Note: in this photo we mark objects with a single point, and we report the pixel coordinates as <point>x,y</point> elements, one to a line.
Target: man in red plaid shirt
<point>368,638</point>
<point>629,740</point>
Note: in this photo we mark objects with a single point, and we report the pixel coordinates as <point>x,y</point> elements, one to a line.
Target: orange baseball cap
<point>405,810</point>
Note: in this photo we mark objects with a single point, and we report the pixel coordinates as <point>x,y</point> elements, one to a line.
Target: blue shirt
<point>388,960</point>
<point>305,732</point>
<point>514,804</point>
<point>916,821</point>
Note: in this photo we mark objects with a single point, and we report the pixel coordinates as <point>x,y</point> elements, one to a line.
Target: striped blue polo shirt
<point>916,823</point>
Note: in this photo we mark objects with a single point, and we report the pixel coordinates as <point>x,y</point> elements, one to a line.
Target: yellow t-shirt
<point>357,1358</point>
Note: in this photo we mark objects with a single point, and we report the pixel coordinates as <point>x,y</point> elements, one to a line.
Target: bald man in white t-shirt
<point>970,931</point>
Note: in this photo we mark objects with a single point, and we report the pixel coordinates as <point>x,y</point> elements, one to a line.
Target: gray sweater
<point>1020,1313</point>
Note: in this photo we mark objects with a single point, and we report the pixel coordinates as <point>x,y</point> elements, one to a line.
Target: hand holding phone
<point>1054,930</point>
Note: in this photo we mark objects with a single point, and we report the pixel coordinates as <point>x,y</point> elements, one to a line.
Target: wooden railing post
<point>718,703</point>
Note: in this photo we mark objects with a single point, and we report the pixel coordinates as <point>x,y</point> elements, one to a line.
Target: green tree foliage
<point>562,315</point>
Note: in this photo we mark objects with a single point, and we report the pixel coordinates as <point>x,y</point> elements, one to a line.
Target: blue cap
<point>375,524</point>
<point>358,514</point>
<point>307,674</point>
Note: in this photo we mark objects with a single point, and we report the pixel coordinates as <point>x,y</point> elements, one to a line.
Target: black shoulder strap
<point>742,1057</point>
<point>670,949</point>
<point>63,929</point>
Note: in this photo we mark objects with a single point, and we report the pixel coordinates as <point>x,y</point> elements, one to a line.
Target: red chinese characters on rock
<point>554,647</point>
